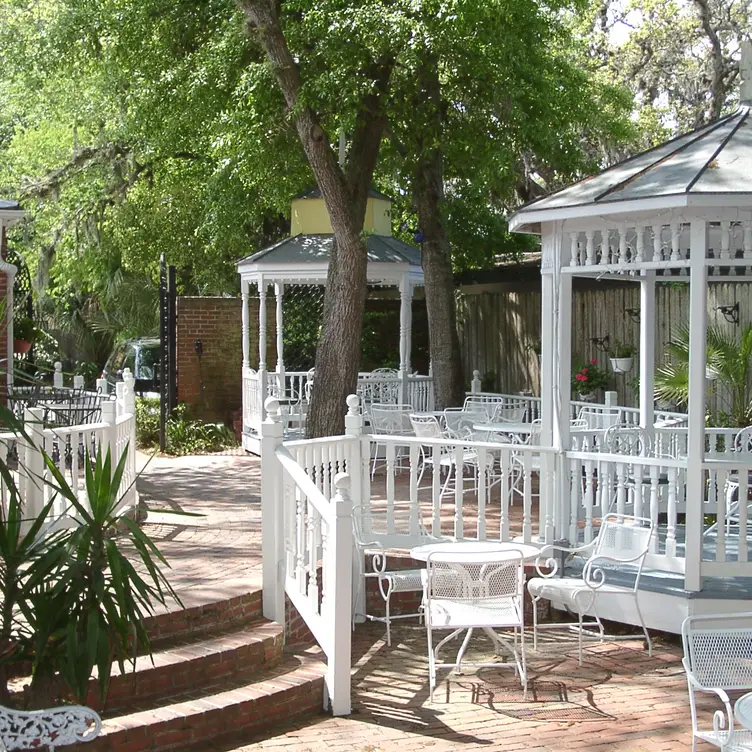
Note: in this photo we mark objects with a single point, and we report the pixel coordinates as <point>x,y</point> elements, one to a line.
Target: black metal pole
<point>172,372</point>
<point>163,355</point>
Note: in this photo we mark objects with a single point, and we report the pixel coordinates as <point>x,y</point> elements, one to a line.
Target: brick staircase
<point>220,672</point>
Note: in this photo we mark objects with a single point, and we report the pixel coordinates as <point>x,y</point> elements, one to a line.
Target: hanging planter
<point>621,365</point>
<point>621,357</point>
<point>586,396</point>
<point>21,346</point>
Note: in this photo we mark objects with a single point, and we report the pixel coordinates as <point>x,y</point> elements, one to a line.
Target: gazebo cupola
<point>680,212</point>
<point>303,259</point>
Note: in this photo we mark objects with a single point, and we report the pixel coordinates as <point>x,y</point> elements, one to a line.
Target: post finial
<point>353,403</point>
<point>272,408</point>
<point>745,73</point>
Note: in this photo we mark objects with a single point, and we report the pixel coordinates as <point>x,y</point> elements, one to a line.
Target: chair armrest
<point>594,577</point>
<point>546,559</point>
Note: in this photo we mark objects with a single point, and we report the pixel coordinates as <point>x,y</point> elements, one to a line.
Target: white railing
<point>294,388</point>
<point>307,539</point>
<point>67,447</point>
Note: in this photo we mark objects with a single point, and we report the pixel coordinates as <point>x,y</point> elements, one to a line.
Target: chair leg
<point>644,628</point>
<point>535,623</point>
<point>431,663</point>
<point>579,641</point>
<point>388,620</point>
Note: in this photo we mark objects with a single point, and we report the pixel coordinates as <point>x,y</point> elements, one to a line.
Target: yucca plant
<point>727,356</point>
<point>91,611</point>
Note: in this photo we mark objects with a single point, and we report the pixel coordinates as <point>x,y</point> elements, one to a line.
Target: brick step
<point>205,619</point>
<point>219,711</point>
<point>188,663</point>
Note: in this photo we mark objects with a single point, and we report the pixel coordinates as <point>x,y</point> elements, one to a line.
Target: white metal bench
<point>56,727</point>
<point>718,660</point>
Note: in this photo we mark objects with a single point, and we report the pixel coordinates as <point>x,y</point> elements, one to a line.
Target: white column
<point>695,488</point>
<point>279,294</point>
<point>262,324</point>
<point>562,400</point>
<point>406,317</point>
<point>548,344</point>
<point>245,318</point>
<point>647,351</point>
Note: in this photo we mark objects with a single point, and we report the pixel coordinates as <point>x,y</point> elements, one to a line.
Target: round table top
<point>504,427</point>
<point>743,710</point>
<point>471,552</point>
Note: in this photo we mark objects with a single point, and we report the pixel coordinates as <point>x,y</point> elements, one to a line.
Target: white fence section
<point>308,542</point>
<point>67,447</point>
<point>293,390</point>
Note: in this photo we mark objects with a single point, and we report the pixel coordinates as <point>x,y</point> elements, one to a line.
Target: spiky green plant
<point>729,357</point>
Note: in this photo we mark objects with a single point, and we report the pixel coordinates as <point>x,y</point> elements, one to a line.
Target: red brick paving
<point>620,700</point>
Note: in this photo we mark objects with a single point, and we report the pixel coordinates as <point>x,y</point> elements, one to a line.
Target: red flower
<point>581,377</point>
<point>594,361</point>
<point>584,369</point>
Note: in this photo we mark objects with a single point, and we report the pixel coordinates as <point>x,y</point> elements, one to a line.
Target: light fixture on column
<point>633,313</point>
<point>729,312</point>
<point>601,343</point>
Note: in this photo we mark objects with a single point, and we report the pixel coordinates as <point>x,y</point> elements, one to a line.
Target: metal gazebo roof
<point>710,166</point>
<point>305,259</point>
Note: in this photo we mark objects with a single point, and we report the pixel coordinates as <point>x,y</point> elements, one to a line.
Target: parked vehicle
<point>142,356</point>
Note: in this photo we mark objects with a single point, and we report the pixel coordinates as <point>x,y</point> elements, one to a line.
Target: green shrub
<point>147,422</point>
<point>188,435</point>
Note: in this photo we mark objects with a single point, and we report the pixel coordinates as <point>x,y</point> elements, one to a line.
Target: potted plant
<point>586,379</point>
<point>621,356</point>
<point>24,334</point>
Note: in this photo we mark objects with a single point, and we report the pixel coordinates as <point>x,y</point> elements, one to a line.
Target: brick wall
<point>212,384</point>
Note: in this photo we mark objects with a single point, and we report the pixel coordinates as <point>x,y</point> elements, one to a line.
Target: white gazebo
<point>680,212</point>
<point>303,259</point>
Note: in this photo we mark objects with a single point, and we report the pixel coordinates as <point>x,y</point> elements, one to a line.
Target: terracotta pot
<point>21,346</point>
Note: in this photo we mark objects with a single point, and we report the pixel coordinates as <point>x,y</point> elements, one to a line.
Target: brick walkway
<point>620,700</point>
<point>217,554</point>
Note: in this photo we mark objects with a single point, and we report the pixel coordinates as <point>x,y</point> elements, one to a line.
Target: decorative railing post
<point>475,384</point>
<point>103,387</point>
<point>109,435</point>
<point>34,465</point>
<point>57,377</point>
<point>78,382</point>
<point>358,468</point>
<point>337,608</point>
<point>129,396</point>
<point>272,515</point>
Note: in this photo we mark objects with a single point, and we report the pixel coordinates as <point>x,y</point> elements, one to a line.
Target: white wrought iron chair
<point>622,543</point>
<point>390,420</point>
<point>486,401</point>
<point>508,414</point>
<point>600,418</point>
<point>371,537</point>
<point>426,426</point>
<point>718,660</point>
<point>465,591</point>
<point>742,448</point>
<point>459,421</point>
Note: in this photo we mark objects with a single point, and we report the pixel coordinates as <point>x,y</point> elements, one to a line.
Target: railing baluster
<point>575,473</point>
<point>743,505</point>
<point>719,482</point>
<point>483,479</point>
<point>673,480</point>
<point>459,482</point>
<point>504,494</point>
<point>436,455</point>
<point>390,470</point>
<point>589,500</point>
<point>654,506</point>
<point>527,496</point>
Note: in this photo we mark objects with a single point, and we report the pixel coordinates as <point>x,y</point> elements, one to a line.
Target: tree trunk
<point>345,193</point>
<point>428,191</point>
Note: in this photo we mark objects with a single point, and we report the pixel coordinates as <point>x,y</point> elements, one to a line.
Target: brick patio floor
<point>621,699</point>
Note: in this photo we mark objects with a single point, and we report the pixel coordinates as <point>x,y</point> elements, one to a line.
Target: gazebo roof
<point>692,169</point>
<point>306,258</point>
<point>10,210</point>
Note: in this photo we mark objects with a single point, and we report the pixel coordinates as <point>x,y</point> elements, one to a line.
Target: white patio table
<point>517,429</point>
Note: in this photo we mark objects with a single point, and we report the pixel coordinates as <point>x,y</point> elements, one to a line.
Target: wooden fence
<point>498,327</point>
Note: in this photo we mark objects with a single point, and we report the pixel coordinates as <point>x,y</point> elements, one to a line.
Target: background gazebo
<point>10,212</point>
<point>303,259</point>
